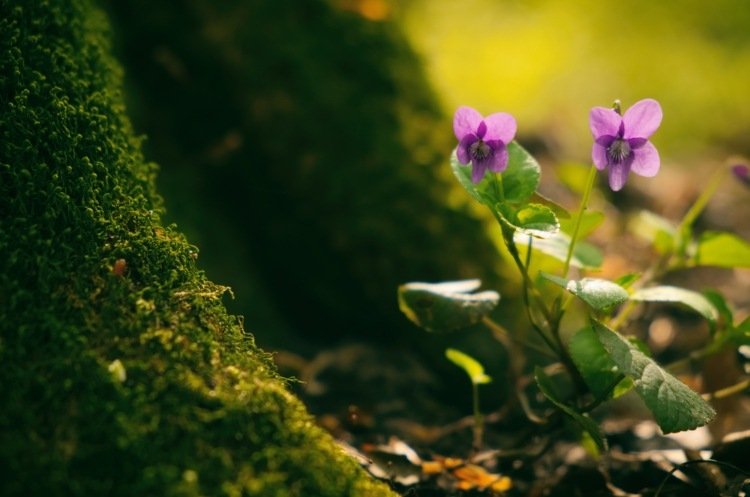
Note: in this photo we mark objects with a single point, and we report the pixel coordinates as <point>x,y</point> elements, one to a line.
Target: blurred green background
<point>303,145</point>
<point>548,61</point>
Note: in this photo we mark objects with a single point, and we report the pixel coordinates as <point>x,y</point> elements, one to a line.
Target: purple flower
<point>483,140</point>
<point>742,173</point>
<point>621,141</point>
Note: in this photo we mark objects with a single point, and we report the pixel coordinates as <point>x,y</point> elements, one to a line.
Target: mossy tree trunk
<point>121,372</point>
<point>303,140</point>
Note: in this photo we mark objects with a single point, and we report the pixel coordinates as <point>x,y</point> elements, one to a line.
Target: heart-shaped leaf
<point>674,406</point>
<point>445,306</point>
<point>537,220</point>
<point>534,220</point>
<point>593,362</point>
<point>519,180</point>
<point>486,191</point>
<point>599,294</point>
<point>560,211</point>
<point>689,298</point>
<point>556,246</point>
<point>722,250</point>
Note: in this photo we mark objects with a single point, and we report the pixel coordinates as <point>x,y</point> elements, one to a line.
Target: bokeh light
<point>548,62</point>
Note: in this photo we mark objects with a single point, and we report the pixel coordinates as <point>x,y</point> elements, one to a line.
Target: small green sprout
<point>478,377</point>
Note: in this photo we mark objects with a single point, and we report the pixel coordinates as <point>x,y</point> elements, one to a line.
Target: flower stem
<point>684,230</point>
<point>478,421</point>
<point>623,315</point>
<point>498,182</point>
<point>529,290</point>
<point>728,391</point>
<point>604,397</point>
<point>582,210</point>
<point>713,348</point>
<point>703,199</point>
<point>502,335</point>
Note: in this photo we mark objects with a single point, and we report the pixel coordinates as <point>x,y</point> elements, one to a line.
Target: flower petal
<point>495,145</point>
<point>500,126</point>
<point>604,121</point>
<point>742,173</point>
<point>478,168</point>
<point>466,120</point>
<point>618,174</point>
<point>636,143</point>
<point>599,156</point>
<point>642,119</point>
<point>462,151</point>
<point>481,129</point>
<point>646,160</point>
<point>497,162</point>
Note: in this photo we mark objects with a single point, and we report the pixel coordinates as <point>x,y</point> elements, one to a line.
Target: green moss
<point>301,146</point>
<point>120,379</point>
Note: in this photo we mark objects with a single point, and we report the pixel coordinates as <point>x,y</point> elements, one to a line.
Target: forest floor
<point>410,440</point>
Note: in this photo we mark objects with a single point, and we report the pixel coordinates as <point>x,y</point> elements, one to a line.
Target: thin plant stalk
<point>576,229</point>
<point>498,182</point>
<point>684,229</point>
<point>728,391</point>
<point>478,419</point>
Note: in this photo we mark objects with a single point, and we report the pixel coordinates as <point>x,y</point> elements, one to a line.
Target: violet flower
<point>621,141</point>
<point>742,173</point>
<point>483,141</point>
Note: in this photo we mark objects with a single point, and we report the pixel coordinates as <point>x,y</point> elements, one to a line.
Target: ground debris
<point>397,462</point>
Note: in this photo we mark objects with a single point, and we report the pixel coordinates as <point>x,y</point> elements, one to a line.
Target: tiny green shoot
<point>478,377</point>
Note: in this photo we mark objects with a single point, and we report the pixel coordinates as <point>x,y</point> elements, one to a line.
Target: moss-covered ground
<point>121,372</point>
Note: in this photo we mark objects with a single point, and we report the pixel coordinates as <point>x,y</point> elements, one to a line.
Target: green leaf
<point>521,178</point>
<point>560,211</point>
<point>485,191</point>
<point>722,250</point>
<point>689,298</point>
<point>591,359</point>
<point>556,246</point>
<point>538,221</point>
<point>722,307</point>
<point>546,386</point>
<point>472,367</point>
<point>599,294</point>
<point>659,231</point>
<point>445,306</point>
<point>589,222</point>
<point>623,387</point>
<point>675,407</point>
<point>532,220</point>
<point>627,280</point>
